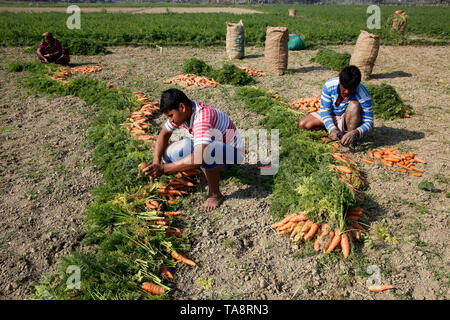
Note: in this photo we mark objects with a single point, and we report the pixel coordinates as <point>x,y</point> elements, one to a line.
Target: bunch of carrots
<point>310,104</point>
<point>253,72</point>
<point>401,162</point>
<point>192,80</point>
<point>299,227</point>
<point>139,119</point>
<point>157,289</point>
<point>347,172</point>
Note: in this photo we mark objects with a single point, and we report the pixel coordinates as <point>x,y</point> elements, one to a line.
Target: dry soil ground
<point>45,178</point>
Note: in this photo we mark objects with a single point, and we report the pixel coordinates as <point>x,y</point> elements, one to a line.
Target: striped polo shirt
<point>328,107</point>
<point>208,124</point>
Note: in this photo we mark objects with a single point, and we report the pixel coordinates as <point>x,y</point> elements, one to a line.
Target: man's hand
<point>154,171</point>
<point>349,138</point>
<point>335,134</point>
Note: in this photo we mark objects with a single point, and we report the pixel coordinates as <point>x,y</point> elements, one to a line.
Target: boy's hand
<point>348,138</point>
<point>335,134</point>
<point>154,171</point>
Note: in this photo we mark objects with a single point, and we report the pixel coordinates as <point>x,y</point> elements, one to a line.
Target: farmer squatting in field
<point>345,109</point>
<point>212,140</point>
<point>51,50</point>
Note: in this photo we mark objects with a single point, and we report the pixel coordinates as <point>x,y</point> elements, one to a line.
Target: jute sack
<point>235,40</point>
<point>365,53</point>
<point>276,50</point>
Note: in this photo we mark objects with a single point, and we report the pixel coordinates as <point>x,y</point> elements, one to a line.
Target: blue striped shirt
<point>328,106</point>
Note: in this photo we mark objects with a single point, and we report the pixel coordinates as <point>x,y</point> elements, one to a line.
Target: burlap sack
<point>365,53</point>
<point>292,12</point>
<point>276,50</point>
<point>235,40</point>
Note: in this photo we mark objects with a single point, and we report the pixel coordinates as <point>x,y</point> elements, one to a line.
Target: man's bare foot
<point>212,202</point>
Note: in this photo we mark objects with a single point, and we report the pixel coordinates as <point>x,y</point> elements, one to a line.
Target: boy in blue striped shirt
<point>345,109</point>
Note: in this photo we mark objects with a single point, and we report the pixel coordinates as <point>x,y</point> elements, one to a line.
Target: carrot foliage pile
<point>129,242</point>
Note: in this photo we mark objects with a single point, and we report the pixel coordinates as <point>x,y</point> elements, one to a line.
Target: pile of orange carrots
<point>86,69</point>
<point>401,162</point>
<point>299,227</point>
<point>139,119</point>
<point>66,72</point>
<point>253,72</point>
<point>310,104</point>
<point>192,80</point>
<point>173,190</point>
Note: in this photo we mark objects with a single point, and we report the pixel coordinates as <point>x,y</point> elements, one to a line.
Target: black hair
<point>171,99</point>
<point>350,77</point>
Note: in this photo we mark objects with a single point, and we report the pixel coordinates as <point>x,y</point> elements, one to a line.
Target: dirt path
<point>137,10</point>
<point>241,258</point>
<point>46,176</point>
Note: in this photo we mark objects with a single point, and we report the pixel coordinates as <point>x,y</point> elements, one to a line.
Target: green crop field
<point>318,25</point>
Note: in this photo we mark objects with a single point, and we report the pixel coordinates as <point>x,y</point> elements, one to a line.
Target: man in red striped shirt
<point>212,139</point>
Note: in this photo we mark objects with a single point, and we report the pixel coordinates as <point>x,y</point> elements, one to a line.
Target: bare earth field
<point>136,10</point>
<point>46,178</point>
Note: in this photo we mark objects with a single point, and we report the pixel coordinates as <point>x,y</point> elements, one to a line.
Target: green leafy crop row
<point>127,250</point>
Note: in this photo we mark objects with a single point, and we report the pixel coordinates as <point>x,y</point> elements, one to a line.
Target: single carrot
<point>345,245</point>
<point>172,231</point>
<point>298,218</point>
<point>172,213</point>
<point>286,226</point>
<point>416,169</point>
<point>357,235</point>
<point>165,272</point>
<point>357,218</point>
<point>143,165</point>
<point>416,174</point>
<point>344,169</point>
<point>180,257</point>
<point>334,242</point>
<point>313,229</point>
<point>317,244</point>
<point>189,173</point>
<point>356,211</point>
<point>417,159</point>
<point>295,231</point>
<point>152,288</point>
<point>328,241</point>
<point>282,222</point>
<point>307,226</point>
<point>382,287</point>
<point>399,169</point>
<point>358,226</point>
<point>367,161</point>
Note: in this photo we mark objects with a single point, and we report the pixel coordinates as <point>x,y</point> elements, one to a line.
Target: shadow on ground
<point>391,75</point>
<point>308,69</point>
<point>386,136</point>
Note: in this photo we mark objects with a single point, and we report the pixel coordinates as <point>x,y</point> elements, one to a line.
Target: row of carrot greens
<point>124,248</point>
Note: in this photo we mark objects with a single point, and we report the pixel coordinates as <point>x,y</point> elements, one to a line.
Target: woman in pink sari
<point>51,50</point>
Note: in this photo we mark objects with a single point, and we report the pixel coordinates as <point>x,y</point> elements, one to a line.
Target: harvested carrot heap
<point>253,72</point>
<point>310,104</point>
<point>86,69</point>
<point>300,227</point>
<point>401,162</point>
<point>140,124</point>
<point>192,80</point>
